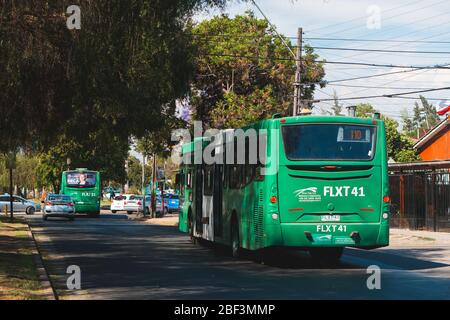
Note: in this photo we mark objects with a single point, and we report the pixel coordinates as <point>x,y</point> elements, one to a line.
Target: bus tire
<point>235,240</point>
<point>326,256</point>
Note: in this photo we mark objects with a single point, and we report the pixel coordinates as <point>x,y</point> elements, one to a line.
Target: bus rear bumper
<point>360,235</point>
<point>87,208</point>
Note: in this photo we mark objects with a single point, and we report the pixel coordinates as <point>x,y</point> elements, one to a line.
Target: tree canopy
<point>399,146</point>
<point>83,93</point>
<point>242,79</point>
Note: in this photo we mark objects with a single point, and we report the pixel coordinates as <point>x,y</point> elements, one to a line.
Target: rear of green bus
<point>85,189</point>
<point>331,189</point>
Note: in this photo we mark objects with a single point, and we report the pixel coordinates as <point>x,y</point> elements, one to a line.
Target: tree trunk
<point>11,199</point>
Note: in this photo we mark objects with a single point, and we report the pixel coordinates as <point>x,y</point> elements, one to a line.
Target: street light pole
<point>154,186</point>
<point>143,184</point>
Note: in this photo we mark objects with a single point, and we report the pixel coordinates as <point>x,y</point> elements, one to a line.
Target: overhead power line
<point>331,62</point>
<point>382,50</point>
<point>392,95</point>
<point>375,87</point>
<point>275,30</point>
<point>361,17</point>
<point>375,40</point>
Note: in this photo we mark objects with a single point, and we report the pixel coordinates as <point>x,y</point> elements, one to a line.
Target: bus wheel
<point>235,241</point>
<point>326,256</point>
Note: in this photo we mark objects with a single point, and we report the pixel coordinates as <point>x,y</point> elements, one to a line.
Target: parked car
<point>58,205</point>
<point>172,202</point>
<point>19,204</point>
<point>159,209</point>
<point>133,204</point>
<point>118,203</point>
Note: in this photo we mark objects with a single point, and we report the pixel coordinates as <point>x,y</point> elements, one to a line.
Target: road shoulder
<point>22,274</point>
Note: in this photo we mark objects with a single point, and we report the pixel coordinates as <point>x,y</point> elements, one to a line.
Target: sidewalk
<point>21,276</point>
<point>168,220</point>
<point>404,237</point>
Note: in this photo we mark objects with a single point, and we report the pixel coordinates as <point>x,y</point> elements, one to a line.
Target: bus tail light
<point>386,199</point>
<point>273,199</point>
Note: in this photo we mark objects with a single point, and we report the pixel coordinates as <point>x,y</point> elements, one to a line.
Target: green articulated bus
<point>319,183</point>
<point>84,187</point>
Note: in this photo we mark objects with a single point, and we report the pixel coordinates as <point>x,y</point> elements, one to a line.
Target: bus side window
<point>189,179</point>
<point>208,181</point>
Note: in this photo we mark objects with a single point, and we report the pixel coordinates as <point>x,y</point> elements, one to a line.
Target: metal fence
<point>420,195</point>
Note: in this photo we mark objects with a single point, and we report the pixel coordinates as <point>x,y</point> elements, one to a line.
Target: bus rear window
<point>329,142</point>
<point>81,179</point>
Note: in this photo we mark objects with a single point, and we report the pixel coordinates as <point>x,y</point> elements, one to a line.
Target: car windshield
<point>329,142</point>
<point>119,198</point>
<point>81,179</point>
<point>60,198</point>
<point>136,198</point>
<point>173,197</point>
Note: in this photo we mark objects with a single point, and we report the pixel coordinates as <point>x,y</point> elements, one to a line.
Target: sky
<point>413,21</point>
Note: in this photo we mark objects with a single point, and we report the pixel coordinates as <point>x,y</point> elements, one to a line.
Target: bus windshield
<point>329,142</point>
<point>81,179</point>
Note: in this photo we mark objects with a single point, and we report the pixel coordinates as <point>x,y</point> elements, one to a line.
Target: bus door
<point>198,198</point>
<point>218,198</point>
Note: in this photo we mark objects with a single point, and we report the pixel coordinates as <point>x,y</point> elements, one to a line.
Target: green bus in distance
<point>84,187</point>
<point>324,187</point>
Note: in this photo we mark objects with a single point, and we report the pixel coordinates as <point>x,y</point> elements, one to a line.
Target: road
<point>125,259</point>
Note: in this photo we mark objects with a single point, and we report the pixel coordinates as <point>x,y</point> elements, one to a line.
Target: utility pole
<point>144,205</point>
<point>298,74</point>
<point>154,186</point>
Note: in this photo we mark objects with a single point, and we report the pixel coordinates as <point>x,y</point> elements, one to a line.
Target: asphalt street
<point>125,259</point>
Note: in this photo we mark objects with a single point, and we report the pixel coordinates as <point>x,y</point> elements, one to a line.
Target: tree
<point>365,110</point>
<point>337,107</point>
<point>408,123</point>
<point>135,173</point>
<point>399,146</point>
<point>245,79</point>
<point>83,93</point>
<point>423,119</point>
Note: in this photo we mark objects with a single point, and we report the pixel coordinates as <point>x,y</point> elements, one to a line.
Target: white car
<point>19,204</point>
<point>136,203</point>
<point>118,203</point>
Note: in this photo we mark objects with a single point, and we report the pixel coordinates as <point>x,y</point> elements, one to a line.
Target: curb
<point>44,279</point>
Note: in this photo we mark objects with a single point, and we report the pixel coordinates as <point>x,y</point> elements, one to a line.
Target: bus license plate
<point>331,228</point>
<point>330,218</point>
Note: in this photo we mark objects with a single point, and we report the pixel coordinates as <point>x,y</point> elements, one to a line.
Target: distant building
<point>435,145</point>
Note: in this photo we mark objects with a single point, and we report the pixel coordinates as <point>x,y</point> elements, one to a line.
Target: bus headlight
<point>274,216</point>
<point>385,215</point>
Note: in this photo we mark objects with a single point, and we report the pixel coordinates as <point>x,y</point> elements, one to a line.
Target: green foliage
<point>257,105</point>
<point>399,146</point>
<point>337,107</point>
<point>24,174</point>
<point>246,73</point>
<point>365,110</point>
<point>82,94</point>
<point>134,176</point>
<point>423,119</point>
